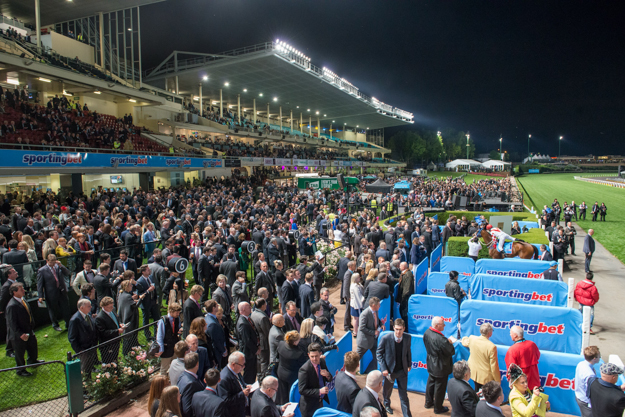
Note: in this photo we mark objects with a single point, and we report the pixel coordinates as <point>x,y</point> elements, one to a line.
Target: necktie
<point>27,309</point>
<point>125,265</point>
<point>88,318</point>
<point>295,323</point>
<point>375,318</point>
<point>321,381</point>
<point>55,276</point>
<point>114,318</point>
<point>173,327</point>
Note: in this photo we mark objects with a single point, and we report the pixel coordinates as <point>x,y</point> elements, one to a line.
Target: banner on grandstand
<point>300,162</point>
<point>437,281</point>
<point>286,162</point>
<point>515,268</point>
<point>323,163</point>
<point>247,161</point>
<point>268,162</point>
<point>435,258</point>
<point>336,163</point>
<point>313,163</point>
<point>558,329</point>
<point>232,162</point>
<point>420,273</point>
<point>464,266</point>
<point>513,290</point>
<point>423,308</point>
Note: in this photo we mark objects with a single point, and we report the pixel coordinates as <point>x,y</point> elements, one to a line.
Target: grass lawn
<point>541,189</point>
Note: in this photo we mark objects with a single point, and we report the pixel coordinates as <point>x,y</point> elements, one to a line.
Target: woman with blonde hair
<point>49,246</point>
<point>170,403</point>
<point>29,269</point>
<point>371,276</point>
<point>306,333</point>
<point>158,384</point>
<point>356,300</point>
<point>291,357</point>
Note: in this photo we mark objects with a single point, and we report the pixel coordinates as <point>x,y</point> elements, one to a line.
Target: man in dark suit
<point>545,255</point>
<point>262,404</point>
<point>287,290</point>
<point>589,249</point>
<point>21,327</point>
<point>345,383</point>
<point>5,296</point>
<point>462,396</point>
<point>205,271</point>
<point>249,343</point>
<point>16,257</point>
<point>312,379</point>
<point>108,327</point>
<point>341,269</point>
<point>82,335</point>
<point>159,276</point>
<point>440,352</point>
<point>149,303</point>
<point>264,280</point>
<point>261,323</point>
<point>216,332</point>
<point>232,388</point>
<point>292,319</point>
<point>206,360</point>
<point>191,308</point>
<point>51,288</point>
<point>369,395</point>
<point>382,252</point>
<point>124,263</point>
<point>208,403</point>
<point>104,287</point>
<point>391,347</point>
<point>188,384</point>
<point>229,268</point>
<point>307,295</point>
<point>377,288</point>
<point>493,397</point>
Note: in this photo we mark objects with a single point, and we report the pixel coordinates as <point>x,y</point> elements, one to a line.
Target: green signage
<point>317,183</point>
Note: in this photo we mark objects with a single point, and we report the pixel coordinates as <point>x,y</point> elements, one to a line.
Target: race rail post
<point>571,296</point>
<point>561,266</point>
<point>585,328</point>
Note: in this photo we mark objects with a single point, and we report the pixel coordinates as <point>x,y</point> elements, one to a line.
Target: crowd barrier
<point>464,266</point>
<point>556,329</point>
<point>328,412</point>
<point>435,258</point>
<point>422,308</point>
<point>513,290</point>
<point>516,268</point>
<point>334,361</point>
<point>420,273</point>
<point>437,281</point>
<point>529,225</point>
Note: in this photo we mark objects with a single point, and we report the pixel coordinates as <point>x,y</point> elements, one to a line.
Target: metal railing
<point>12,22</point>
<point>80,149</point>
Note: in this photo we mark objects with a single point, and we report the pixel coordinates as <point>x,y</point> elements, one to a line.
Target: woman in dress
<point>291,358</point>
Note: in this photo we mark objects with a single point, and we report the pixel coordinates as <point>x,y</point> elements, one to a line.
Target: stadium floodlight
<point>245,90</point>
<point>275,99</point>
<point>298,107</point>
<point>97,92</point>
<point>205,78</point>
<point>316,112</point>
<point>132,100</point>
<point>324,115</point>
<point>226,84</point>
<point>260,95</point>
<point>45,80</point>
<point>308,110</point>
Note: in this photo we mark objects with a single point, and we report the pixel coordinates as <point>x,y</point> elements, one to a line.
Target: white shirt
<point>474,248</point>
<point>352,376</point>
<point>375,394</point>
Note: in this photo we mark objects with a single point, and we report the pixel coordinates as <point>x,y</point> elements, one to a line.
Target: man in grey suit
<point>589,249</point>
<point>347,281</point>
<point>345,383</point>
<point>342,268</point>
<point>51,288</point>
<point>276,334</point>
<point>263,326</point>
<point>369,395</point>
<point>378,288</point>
<point>160,274</point>
<point>389,347</point>
<point>369,325</point>
<point>229,268</point>
<point>493,397</point>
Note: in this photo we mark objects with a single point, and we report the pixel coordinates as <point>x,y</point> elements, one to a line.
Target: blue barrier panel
<point>420,273</point>
<point>435,258</point>
<point>516,268</point>
<point>557,329</point>
<point>328,412</point>
<point>514,290</point>
<point>464,266</point>
<point>437,281</point>
<point>529,225</point>
<point>396,305</point>
<point>334,362</point>
<point>422,308</point>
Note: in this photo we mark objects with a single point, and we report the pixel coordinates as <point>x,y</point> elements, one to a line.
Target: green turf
<point>541,189</point>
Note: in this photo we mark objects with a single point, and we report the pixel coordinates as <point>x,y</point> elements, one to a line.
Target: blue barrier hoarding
<point>517,290</point>
<point>437,281</point>
<point>557,329</point>
<point>420,273</point>
<point>516,268</point>
<point>328,412</point>
<point>464,266</point>
<point>422,308</point>
<point>435,258</point>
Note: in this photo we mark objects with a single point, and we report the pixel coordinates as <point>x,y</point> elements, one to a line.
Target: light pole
<point>528,145</point>
<point>468,146</point>
<point>501,147</point>
<point>559,145</point>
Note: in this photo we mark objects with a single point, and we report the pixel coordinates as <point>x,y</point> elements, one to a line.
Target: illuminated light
<point>275,99</point>
<point>245,90</point>
<point>308,109</point>
<point>45,80</point>
<point>129,29</point>
<point>298,107</point>
<point>226,83</point>
<point>132,100</point>
<point>97,92</point>
<point>13,81</point>
<point>205,78</point>
<point>333,121</point>
<point>196,98</point>
<point>316,112</point>
<point>65,93</point>
<point>260,95</point>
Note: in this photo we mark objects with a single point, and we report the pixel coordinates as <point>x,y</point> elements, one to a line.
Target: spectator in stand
<point>483,357</point>
<point>586,294</point>
<point>584,374</point>
<point>525,354</point>
<point>607,398</point>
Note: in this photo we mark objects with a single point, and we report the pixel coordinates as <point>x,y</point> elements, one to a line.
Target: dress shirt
<point>494,406</point>
<point>375,394</point>
<point>160,334</point>
<point>583,372</point>
<point>352,376</point>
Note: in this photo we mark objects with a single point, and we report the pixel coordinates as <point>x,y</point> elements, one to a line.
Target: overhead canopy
<point>378,187</point>
<point>463,163</point>
<point>493,163</point>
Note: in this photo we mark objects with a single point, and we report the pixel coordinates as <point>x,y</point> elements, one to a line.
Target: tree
<point>494,155</point>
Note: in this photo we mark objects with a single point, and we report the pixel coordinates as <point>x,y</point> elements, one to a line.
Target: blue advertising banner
<point>514,290</point>
<point>423,308</point>
<point>328,412</point>
<point>420,273</point>
<point>557,329</point>
<point>464,266</point>
<point>529,225</point>
<point>435,258</point>
<point>335,362</point>
<point>39,159</point>
<point>437,281</point>
<point>516,268</point>
<point>396,305</point>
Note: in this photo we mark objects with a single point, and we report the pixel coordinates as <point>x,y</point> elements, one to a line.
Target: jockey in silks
<point>500,235</point>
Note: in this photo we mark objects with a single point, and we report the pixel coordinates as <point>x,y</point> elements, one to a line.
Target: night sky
<point>545,68</point>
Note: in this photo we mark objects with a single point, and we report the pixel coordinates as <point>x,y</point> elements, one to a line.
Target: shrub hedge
<point>470,215</point>
<point>457,246</point>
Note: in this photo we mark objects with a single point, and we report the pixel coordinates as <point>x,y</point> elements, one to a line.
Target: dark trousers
<point>587,262</point>
<point>435,390</point>
<point>402,387</point>
<point>130,341</point>
<point>58,308</point>
<point>249,374</point>
<point>594,216</point>
<point>572,245</point>
<point>21,347</point>
<point>373,365</point>
<point>9,345</point>
<point>88,360</point>
<point>154,313</point>
<point>583,407</point>
<point>347,322</point>
<point>582,215</point>
<point>263,357</point>
<point>477,386</point>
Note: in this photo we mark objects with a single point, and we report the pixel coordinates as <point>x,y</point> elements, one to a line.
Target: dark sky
<point>545,68</point>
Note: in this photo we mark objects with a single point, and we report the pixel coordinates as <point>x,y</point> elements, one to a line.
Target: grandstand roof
<point>55,11</point>
<point>276,70</point>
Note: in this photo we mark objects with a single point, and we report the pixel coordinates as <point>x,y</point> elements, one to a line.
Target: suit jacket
<point>376,289</point>
<point>462,398</point>
<point>287,292</point>
<point>288,324</point>
<point>5,295</point>
<point>104,287</point>
<point>119,266</point>
<point>346,282</point>
<point>205,270</point>
<point>341,269</point>
<point>81,335</point>
<point>383,253</point>
<point>589,245</point>
<point>106,327</point>
<point>188,386</point>
<point>208,403</point>
<point>308,385</point>
<point>366,329</point>
<point>159,275</point>
<point>205,363</point>
<point>19,321</point>
<point>216,334</point>
<point>366,399</point>
<point>229,268</point>
<point>16,257</point>
<point>263,406</point>
<point>386,353</point>
<point>151,298</point>
<point>190,311</point>
<point>307,298</point>
<point>546,256</point>
<point>248,338</point>
<point>484,410</point>
<point>346,391</point>
<point>276,335</point>
<point>46,284</point>
<point>229,389</point>
<point>263,279</point>
<point>482,359</point>
<point>439,354</point>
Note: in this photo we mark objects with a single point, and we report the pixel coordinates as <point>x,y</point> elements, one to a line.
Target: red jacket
<point>586,293</point>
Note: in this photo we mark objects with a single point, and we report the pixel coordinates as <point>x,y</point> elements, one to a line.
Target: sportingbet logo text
<point>419,365</point>
<point>549,381</point>
<point>516,274</point>
<point>52,158</point>
<point>430,317</point>
<point>540,328</point>
<point>525,296</point>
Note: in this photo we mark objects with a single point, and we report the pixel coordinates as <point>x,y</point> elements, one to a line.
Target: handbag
<point>154,346</point>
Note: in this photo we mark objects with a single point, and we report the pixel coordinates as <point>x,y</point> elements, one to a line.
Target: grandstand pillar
<point>268,115</point>
<point>292,126</point>
<point>301,122</point>
<point>318,129</point>
<point>101,19</point>
<point>77,184</point>
<point>38,23</point>
<point>280,118</point>
<point>177,90</point>
<point>239,107</point>
<point>221,103</point>
<point>255,114</point>
<point>330,131</point>
<point>144,181</point>
<point>200,95</point>
<point>309,126</point>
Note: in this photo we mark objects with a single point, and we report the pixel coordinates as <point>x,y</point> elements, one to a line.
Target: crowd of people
<point>261,315</point>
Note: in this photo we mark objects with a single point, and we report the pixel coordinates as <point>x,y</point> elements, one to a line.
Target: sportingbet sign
<point>514,290</point>
<point>435,258</point>
<point>423,308</point>
<point>557,329</point>
<point>420,273</point>
<point>464,266</point>
<point>514,268</point>
<point>437,281</point>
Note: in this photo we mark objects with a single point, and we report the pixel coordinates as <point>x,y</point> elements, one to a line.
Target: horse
<point>523,250</point>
